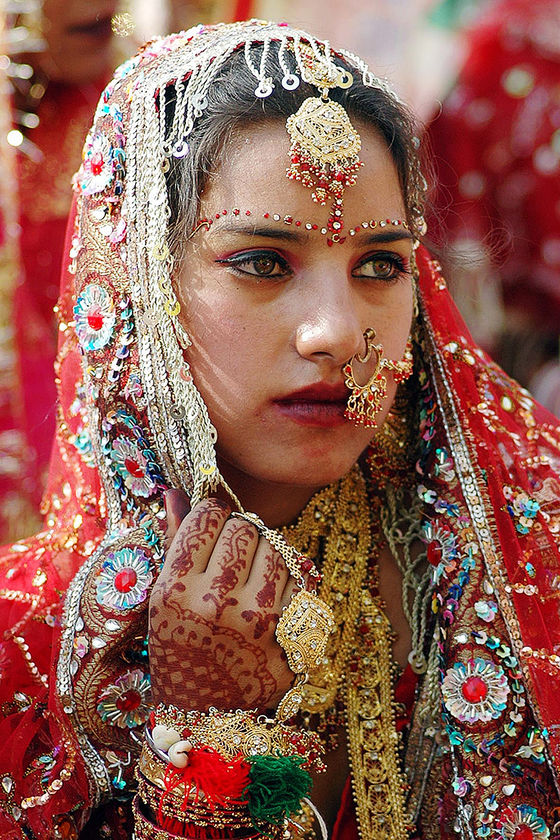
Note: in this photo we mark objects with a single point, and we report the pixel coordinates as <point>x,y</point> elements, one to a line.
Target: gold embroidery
<point>358,665</point>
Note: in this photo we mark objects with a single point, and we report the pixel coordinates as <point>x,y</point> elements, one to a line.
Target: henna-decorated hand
<point>214,610</point>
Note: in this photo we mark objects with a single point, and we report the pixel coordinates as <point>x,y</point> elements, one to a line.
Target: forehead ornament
<point>324,151</point>
<point>206,222</point>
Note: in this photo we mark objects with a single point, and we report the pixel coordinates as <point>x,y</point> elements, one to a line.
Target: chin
<point>309,474</point>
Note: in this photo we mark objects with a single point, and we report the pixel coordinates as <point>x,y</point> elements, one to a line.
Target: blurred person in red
<point>497,149</point>
<point>65,53</point>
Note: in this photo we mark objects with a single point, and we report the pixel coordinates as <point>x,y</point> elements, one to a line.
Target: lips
<point>320,392</point>
<point>321,405</point>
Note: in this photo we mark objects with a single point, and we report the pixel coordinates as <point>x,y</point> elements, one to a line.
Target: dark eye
<point>382,267</point>
<point>258,264</point>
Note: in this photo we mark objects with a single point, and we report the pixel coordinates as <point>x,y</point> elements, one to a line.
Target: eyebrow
<point>301,236</point>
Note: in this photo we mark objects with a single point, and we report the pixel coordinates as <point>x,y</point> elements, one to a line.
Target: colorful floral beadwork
<point>486,610</point>
<point>132,465</point>
<point>522,509</point>
<point>97,169</point>
<point>126,703</point>
<point>521,823</point>
<point>124,579</point>
<point>95,317</point>
<point>441,549</point>
<point>475,691</point>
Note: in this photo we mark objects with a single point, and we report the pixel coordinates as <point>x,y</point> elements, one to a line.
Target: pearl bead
<point>164,737</point>
<point>179,753</point>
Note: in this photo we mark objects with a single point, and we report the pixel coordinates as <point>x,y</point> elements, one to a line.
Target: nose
<point>331,328</point>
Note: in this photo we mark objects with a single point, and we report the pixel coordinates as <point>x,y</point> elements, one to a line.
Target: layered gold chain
<point>341,526</point>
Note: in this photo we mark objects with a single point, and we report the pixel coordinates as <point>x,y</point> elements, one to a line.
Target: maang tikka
<point>366,401</point>
<point>325,144</point>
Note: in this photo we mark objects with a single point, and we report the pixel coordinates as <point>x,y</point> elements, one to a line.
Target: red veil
<point>74,690</point>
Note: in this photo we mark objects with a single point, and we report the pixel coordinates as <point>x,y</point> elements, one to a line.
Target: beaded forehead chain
<point>324,143</point>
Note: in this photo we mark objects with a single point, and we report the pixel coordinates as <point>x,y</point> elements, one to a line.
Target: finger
<point>177,506</point>
<point>196,538</point>
<point>268,577</point>
<point>231,560</point>
<point>290,590</point>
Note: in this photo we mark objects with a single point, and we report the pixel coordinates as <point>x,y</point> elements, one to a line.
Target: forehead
<point>252,173</point>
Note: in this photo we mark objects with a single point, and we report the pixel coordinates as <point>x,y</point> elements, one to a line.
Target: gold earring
<point>366,401</point>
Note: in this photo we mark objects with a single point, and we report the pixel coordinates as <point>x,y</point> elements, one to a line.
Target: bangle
<point>240,732</point>
<point>197,815</point>
<point>224,772</point>
<point>146,829</point>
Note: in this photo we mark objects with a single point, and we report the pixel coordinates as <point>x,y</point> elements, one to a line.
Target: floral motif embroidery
<point>521,823</point>
<point>95,317</point>
<point>126,703</point>
<point>97,170</point>
<point>441,549</point>
<point>124,579</point>
<point>486,610</point>
<point>522,509</point>
<point>132,466</point>
<point>475,691</point>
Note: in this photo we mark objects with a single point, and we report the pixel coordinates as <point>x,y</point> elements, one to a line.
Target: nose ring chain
<point>366,401</point>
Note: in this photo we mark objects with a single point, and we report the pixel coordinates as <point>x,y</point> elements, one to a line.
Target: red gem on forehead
<point>474,690</point>
<point>125,580</point>
<point>128,701</point>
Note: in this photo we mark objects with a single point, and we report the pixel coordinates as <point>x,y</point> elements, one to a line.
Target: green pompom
<point>278,785</point>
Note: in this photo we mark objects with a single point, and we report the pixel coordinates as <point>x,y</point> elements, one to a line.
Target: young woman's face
<point>274,312</point>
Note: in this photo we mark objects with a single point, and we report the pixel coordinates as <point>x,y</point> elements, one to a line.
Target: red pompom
<point>218,779</point>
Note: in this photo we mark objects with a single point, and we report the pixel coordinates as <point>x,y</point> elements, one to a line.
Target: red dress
<point>28,393</point>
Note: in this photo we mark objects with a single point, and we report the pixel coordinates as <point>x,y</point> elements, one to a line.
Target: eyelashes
<point>263,264</point>
<point>258,264</point>
<point>383,265</point>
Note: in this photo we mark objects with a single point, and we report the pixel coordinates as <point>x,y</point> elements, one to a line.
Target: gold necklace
<point>341,525</point>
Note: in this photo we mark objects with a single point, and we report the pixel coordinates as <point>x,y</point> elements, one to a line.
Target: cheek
<point>392,323</point>
<point>226,353</point>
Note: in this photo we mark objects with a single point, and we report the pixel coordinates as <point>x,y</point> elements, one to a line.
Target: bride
<point>299,569</point>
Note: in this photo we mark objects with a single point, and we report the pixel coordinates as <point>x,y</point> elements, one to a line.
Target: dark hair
<point>232,103</point>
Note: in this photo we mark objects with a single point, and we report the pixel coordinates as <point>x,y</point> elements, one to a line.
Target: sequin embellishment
<point>124,579</point>
<point>521,823</point>
<point>97,169</point>
<point>126,703</point>
<point>475,691</point>
<point>95,317</point>
<point>132,465</point>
